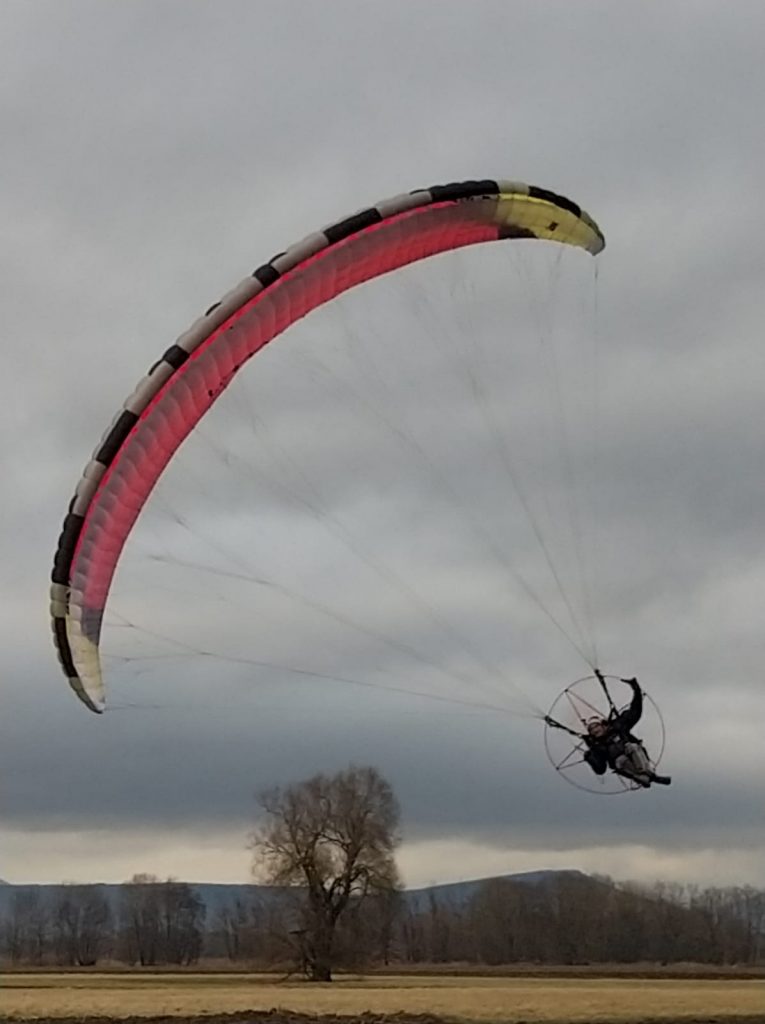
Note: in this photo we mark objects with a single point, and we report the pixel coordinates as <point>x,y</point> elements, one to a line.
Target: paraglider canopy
<point>193,372</point>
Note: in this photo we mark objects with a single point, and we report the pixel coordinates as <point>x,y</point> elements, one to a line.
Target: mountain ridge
<point>215,895</point>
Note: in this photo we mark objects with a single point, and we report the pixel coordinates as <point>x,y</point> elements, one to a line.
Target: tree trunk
<point>320,957</point>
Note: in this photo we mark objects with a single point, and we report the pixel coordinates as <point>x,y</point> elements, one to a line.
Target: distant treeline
<point>566,919</point>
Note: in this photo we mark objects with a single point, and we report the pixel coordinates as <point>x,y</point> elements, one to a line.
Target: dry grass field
<point>50,996</point>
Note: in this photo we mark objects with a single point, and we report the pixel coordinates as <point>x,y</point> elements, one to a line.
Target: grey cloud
<point>158,153</point>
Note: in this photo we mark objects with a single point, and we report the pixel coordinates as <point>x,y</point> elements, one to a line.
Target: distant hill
<point>552,917</point>
<point>216,895</point>
<point>457,894</point>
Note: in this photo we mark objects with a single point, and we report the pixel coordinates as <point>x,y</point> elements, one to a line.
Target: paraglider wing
<point>192,373</point>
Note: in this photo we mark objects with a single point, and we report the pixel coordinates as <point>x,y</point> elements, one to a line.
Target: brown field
<point>50,996</point>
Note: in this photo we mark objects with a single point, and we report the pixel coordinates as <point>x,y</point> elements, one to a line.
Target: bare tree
<point>38,928</point>
<point>15,929</point>
<point>751,909</point>
<point>82,925</point>
<point>251,929</point>
<point>140,919</point>
<point>233,926</point>
<point>161,922</point>
<point>384,911</point>
<point>182,920</point>
<point>333,837</point>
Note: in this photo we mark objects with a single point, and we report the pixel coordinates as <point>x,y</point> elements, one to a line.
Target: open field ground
<point>48,996</point>
<point>679,971</point>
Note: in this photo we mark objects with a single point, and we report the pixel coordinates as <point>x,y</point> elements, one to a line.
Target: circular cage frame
<point>572,699</point>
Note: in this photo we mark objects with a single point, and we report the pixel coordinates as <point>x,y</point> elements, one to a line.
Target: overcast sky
<point>347,509</point>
